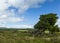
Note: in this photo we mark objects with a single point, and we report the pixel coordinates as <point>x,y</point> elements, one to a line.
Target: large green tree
<point>47,21</point>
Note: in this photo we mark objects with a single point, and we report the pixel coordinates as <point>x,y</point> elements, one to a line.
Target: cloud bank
<point>10,8</point>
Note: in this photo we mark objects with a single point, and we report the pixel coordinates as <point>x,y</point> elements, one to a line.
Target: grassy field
<point>20,36</point>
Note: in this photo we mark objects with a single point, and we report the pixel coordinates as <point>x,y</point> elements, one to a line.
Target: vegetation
<point>16,36</point>
<point>46,31</point>
<point>47,22</point>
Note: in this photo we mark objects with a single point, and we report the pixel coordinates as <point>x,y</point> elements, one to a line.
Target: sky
<point>26,13</point>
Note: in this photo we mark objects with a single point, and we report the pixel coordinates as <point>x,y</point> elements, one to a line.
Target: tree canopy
<point>47,21</point>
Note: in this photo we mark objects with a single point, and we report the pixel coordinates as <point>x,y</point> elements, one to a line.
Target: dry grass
<point>18,37</point>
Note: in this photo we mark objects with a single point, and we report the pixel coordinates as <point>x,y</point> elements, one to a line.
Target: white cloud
<point>3,16</point>
<point>17,26</point>
<point>23,26</point>
<point>9,16</point>
<point>14,19</point>
<point>58,22</point>
<point>3,5</point>
<point>24,5</point>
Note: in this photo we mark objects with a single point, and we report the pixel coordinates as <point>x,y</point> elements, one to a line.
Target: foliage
<point>47,22</point>
<point>10,36</point>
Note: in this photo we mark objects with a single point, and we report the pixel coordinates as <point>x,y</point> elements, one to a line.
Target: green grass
<point>18,36</point>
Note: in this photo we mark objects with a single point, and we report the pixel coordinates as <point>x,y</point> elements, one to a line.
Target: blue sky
<point>26,13</point>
